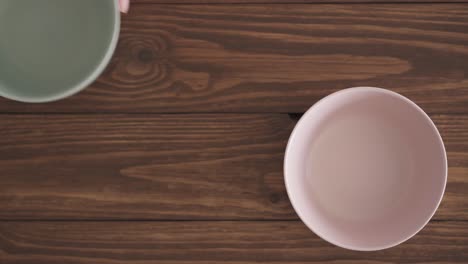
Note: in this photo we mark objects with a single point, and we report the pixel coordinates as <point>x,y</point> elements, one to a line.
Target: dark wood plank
<point>454,131</point>
<point>139,166</point>
<point>167,166</point>
<point>288,1</point>
<point>277,58</point>
<point>211,242</point>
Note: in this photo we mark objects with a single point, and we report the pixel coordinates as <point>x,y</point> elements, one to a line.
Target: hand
<point>124,5</point>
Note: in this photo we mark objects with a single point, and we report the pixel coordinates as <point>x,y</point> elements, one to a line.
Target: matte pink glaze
<point>365,168</point>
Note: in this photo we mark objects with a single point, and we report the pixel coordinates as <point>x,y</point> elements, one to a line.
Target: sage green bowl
<point>51,49</point>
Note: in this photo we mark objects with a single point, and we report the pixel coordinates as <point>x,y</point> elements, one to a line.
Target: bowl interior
<point>365,168</point>
<point>49,48</point>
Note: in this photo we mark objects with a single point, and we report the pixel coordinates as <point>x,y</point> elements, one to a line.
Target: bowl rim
<point>85,82</point>
<point>352,90</point>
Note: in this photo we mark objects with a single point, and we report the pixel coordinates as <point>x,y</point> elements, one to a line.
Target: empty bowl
<point>52,49</point>
<point>365,168</point>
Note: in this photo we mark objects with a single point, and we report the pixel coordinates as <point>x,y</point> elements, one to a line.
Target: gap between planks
<point>185,220</point>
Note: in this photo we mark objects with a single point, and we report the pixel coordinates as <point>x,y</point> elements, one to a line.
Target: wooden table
<point>175,154</point>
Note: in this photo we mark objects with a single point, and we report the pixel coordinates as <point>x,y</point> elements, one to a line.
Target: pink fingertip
<point>124,5</point>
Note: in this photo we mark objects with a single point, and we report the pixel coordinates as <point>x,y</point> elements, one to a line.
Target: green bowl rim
<point>86,81</point>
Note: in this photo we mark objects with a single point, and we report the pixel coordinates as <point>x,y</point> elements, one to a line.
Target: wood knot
<point>140,64</point>
<point>275,198</point>
<point>295,116</point>
<point>274,187</point>
<point>145,55</point>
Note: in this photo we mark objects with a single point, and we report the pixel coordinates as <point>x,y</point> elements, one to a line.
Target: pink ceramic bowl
<point>365,168</point>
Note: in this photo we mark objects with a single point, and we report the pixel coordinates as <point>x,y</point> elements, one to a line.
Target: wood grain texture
<point>277,58</point>
<point>288,1</point>
<point>143,167</point>
<point>211,242</point>
<point>129,167</point>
